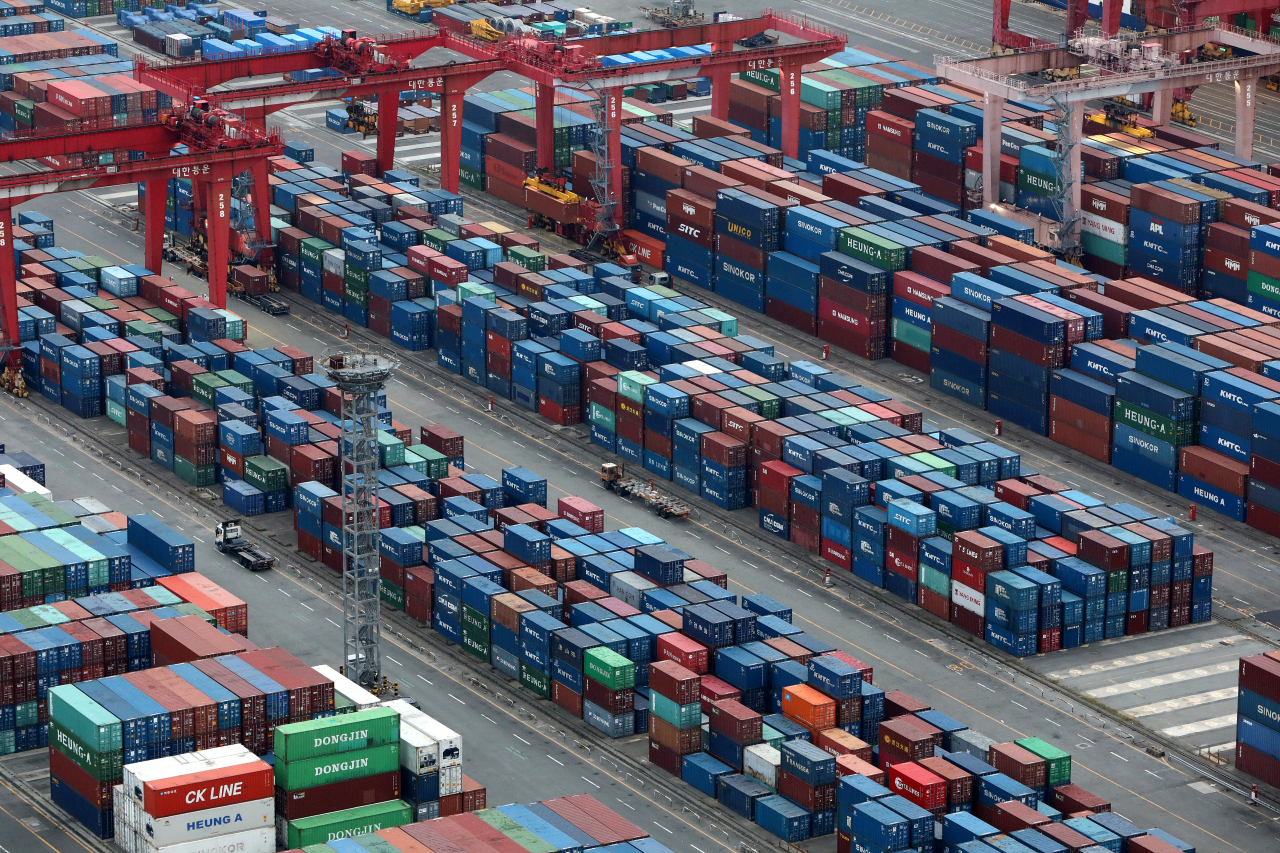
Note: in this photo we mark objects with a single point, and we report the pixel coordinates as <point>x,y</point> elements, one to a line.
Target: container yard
<point>685,412</point>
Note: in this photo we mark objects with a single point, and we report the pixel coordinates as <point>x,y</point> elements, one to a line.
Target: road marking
<point>588,781</point>
<point>696,847</point>
<point>198,539</point>
<point>517,444</point>
<point>99,476</point>
<point>312,609</point>
<point>1047,720</point>
<point>1136,660</point>
<point>117,488</point>
<point>1121,757</point>
<point>1199,726</point>
<point>922,654</point>
<point>895,639</point>
<point>833,607</point>
<point>980,684</point>
<point>331,622</point>
<point>486,716</point>
<point>77,464</point>
<point>807,593</point>
<point>522,740</point>
<point>694,535</point>
<point>561,763</point>
<point>1020,705</point>
<point>456,699</point>
<point>1157,775</point>
<point>394,661</point>
<point>660,826</point>
<point>1183,702</point>
<point>284,592</point>
<point>1162,680</point>
<point>625,803</point>
<point>427,680</point>
<point>778,579</point>
<point>754,567</point>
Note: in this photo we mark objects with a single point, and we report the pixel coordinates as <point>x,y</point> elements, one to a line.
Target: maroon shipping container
<point>1217,470</point>
<point>1261,674</point>
<point>614,701</point>
<point>1151,844</point>
<point>443,440</point>
<point>1249,760</point>
<point>665,757</point>
<point>1086,441</point>
<point>959,783</point>
<point>977,550</point>
<point>1013,816</point>
<point>1066,836</point>
<point>1040,354</point>
<point>1105,552</point>
<point>901,737</point>
<point>294,805</point>
<point>1104,203</point>
<point>735,720</point>
<point>1018,764</point>
<point>812,797</point>
<point>1073,798</point>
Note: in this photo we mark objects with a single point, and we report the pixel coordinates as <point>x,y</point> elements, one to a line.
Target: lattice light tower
<point>360,372</point>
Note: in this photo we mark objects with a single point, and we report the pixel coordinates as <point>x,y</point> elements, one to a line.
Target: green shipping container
<point>205,387</point>
<point>266,473</point>
<point>471,178</point>
<point>877,251</point>
<point>769,78</point>
<point>236,380</point>
<point>391,594</point>
<point>312,251</point>
<point>437,239</point>
<point>938,464</point>
<point>475,620</point>
<point>517,833</point>
<point>390,450</point>
<point>1057,762</point>
<point>355,275</point>
<point>609,668</point>
<point>631,384</point>
<point>1118,581</point>
<point>681,716</point>
<point>527,258</point>
<point>102,766</point>
<point>598,415</point>
<point>770,406</point>
<point>363,729</point>
<point>1034,182</point>
<point>326,769</point>
<point>476,644</point>
<point>1264,285</point>
<point>538,682</point>
<point>1177,433</point>
<point>344,824</point>
<point>932,579</point>
<point>86,719</point>
<point>196,475</point>
<point>115,411</point>
<point>1092,244</point>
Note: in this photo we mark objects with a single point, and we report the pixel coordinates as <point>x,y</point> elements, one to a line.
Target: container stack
<point>958,343</point>
<point>1153,421</point>
<point>675,715</point>
<point>153,807</point>
<point>1167,232</point>
<point>1029,339</point>
<point>940,142</point>
<point>890,138</point>
<point>324,765</point>
<point>749,229</point>
<point>1258,718</point>
<point>1104,230</point>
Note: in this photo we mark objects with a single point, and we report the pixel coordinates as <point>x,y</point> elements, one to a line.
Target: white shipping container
<point>23,484</point>
<point>352,692</point>
<point>250,841</point>
<point>630,587</point>
<point>450,741</point>
<point>419,752</point>
<point>334,261</point>
<point>451,780</point>
<point>137,776</point>
<point>762,763</point>
<point>207,823</point>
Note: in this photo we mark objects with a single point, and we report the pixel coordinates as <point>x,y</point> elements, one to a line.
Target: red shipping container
<point>811,797</point>
<point>920,786</point>
<point>677,683</point>
<point>741,724</point>
<point>685,651</point>
<point>209,789</point>
<point>1073,798</point>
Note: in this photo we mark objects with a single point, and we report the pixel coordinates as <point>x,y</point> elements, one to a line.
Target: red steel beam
<point>153,138</point>
<point>722,33</point>
<point>200,167</point>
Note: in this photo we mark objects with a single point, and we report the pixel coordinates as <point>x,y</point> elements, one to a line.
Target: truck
<point>228,538</point>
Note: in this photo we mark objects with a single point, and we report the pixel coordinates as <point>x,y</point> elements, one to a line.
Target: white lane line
<point>663,828</point>
<point>718,548</point>
<point>1182,702</point>
<point>1199,726</point>
<point>1121,757</point>
<point>331,622</point>
<point>312,609</point>
<point>922,654</point>
<point>1162,680</point>
<point>694,535</point>
<point>198,539</point>
<point>99,476</point>
<point>778,579</point>
<point>1136,660</point>
<point>625,803</point>
<point>754,567</point>
<point>428,681</point>
<point>980,684</point>
<point>77,464</point>
<point>522,740</point>
<point>284,592</point>
<point>1020,705</point>
<point>588,781</point>
<point>807,593</point>
<point>486,716</point>
<point>1047,720</point>
<point>895,639</point>
<point>394,661</point>
<point>456,699</point>
<point>833,607</point>
<point>561,763</point>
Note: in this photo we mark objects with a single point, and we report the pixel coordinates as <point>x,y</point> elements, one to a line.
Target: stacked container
<point>430,764</point>
<point>1258,720</point>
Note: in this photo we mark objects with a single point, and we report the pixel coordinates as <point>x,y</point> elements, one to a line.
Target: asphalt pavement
<point>911,653</point>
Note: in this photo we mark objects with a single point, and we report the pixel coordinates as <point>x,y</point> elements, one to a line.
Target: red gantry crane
<point>221,145</point>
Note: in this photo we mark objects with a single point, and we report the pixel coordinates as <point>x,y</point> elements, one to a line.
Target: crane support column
<point>450,141</point>
<point>1000,21</point>
<point>262,207</point>
<point>1110,18</point>
<point>388,107</point>
<point>613,112</point>
<point>153,213</point>
<point>8,288</point>
<point>721,80</point>
<point>1162,106</point>
<point>1077,14</point>
<point>790,80</point>
<point>218,230</point>
<point>545,118</point>
<point>992,112</point>
<point>1246,112</point>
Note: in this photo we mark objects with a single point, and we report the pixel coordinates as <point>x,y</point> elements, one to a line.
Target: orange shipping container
<point>231,613</point>
<point>839,742</point>
<point>808,707</point>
